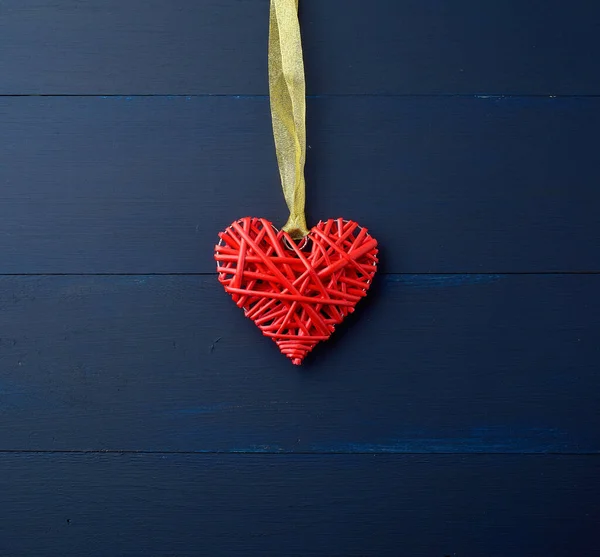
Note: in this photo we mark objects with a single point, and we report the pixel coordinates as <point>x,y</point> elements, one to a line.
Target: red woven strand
<point>296,294</point>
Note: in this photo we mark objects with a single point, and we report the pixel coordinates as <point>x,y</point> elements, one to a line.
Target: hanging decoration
<point>296,284</point>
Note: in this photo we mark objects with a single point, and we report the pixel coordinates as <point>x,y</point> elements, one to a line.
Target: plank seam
<point>288,453</point>
<point>492,96</point>
<point>439,273</point>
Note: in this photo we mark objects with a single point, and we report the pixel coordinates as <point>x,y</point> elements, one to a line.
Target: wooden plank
<point>143,185</point>
<point>440,364</point>
<point>302,505</point>
<point>219,47</point>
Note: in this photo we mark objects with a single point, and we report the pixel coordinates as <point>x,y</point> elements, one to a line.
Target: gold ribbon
<point>287,92</point>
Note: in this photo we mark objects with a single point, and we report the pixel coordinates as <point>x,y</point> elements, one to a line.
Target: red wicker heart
<point>296,294</point>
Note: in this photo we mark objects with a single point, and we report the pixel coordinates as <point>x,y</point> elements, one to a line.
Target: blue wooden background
<point>457,415</point>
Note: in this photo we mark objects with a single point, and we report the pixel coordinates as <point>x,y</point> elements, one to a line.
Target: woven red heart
<point>296,294</point>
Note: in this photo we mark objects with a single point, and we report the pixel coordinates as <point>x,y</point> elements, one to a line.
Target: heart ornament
<point>296,293</point>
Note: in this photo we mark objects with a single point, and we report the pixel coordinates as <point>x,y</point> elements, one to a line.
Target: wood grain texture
<point>269,505</point>
<point>219,46</point>
<point>142,415</point>
<point>143,185</point>
<point>439,364</point>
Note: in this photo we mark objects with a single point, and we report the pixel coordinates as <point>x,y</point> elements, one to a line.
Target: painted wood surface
<point>541,47</point>
<point>302,505</point>
<point>143,185</point>
<point>455,363</point>
<point>456,415</point>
